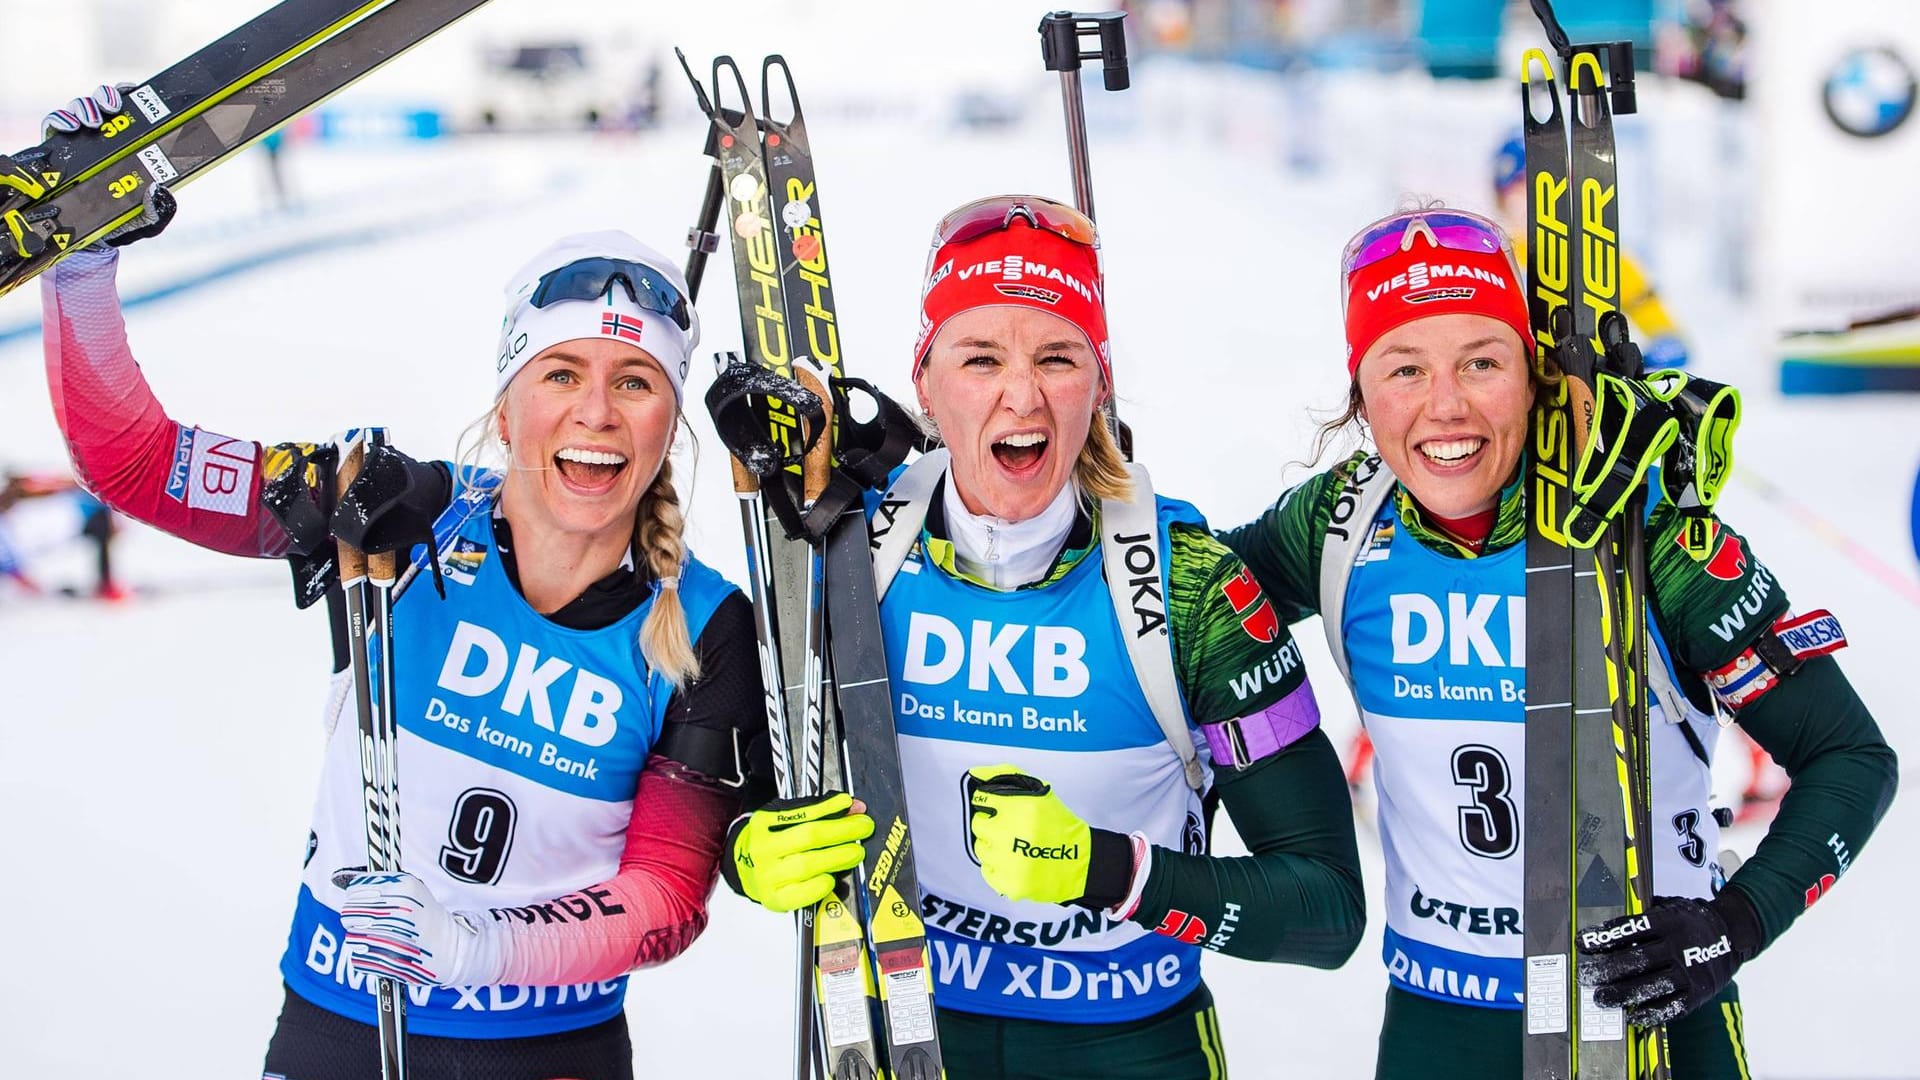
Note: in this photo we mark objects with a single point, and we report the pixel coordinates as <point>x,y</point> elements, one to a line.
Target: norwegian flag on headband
<point>624,327</point>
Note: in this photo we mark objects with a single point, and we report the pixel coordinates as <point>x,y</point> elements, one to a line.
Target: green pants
<point>1425,1039</point>
<point>1182,1043</point>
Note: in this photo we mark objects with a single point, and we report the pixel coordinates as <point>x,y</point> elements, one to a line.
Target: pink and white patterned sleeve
<point>650,911</point>
<point>193,483</point>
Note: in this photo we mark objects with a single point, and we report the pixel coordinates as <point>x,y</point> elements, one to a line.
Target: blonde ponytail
<point>657,538</point>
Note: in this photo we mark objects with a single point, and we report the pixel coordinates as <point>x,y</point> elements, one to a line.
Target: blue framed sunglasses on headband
<point>590,279</point>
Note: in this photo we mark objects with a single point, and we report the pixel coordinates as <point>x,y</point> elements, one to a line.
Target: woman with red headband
<point>1424,606</point>
<point>1081,671</point>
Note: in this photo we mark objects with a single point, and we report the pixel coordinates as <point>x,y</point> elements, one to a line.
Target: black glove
<point>1671,959</point>
<point>391,504</point>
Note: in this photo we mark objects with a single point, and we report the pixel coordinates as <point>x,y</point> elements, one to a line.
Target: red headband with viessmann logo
<point>1019,266</point>
<point>1428,280</point>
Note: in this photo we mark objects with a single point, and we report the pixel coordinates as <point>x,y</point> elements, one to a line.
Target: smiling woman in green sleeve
<point>1425,599</point>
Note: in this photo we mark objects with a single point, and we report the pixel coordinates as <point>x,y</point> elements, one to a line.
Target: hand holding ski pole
<point>1030,846</point>
<point>385,509</point>
<point>369,601</point>
<point>397,929</point>
<point>787,854</point>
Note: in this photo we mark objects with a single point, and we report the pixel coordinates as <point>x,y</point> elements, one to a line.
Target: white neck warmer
<point>1008,554</point>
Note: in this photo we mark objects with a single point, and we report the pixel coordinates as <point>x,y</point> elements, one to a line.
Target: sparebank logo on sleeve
<point>211,472</point>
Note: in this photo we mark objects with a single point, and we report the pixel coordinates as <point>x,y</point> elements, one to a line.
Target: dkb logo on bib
<point>1055,656</point>
<point>592,704</point>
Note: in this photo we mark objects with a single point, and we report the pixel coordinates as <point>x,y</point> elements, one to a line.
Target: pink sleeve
<point>192,483</point>
<point>646,914</point>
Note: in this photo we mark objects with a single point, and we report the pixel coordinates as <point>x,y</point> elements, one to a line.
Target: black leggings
<point>1425,1039</point>
<point>310,1043</point>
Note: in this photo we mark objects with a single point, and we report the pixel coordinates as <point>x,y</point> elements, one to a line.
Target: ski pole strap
<point>1670,419</point>
<point>1631,430</point>
<point>869,450</point>
<point>744,430</point>
<point>1695,470</point>
<point>474,493</point>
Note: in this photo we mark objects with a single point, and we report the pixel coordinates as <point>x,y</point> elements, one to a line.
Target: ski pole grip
<point>1060,34</point>
<point>353,562</point>
<point>383,569</point>
<point>817,467</point>
<point>744,482</point>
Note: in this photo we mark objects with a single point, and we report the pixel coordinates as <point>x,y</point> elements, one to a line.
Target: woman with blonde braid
<point>572,712</point>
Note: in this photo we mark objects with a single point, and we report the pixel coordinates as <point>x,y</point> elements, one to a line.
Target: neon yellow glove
<point>1031,847</point>
<point>785,855</point>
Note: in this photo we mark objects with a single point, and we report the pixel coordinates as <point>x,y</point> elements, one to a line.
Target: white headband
<point>528,331</point>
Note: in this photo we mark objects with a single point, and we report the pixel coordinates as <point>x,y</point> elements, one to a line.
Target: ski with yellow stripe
<point>1588,859</point>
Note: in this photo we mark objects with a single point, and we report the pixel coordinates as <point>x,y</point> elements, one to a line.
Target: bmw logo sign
<point>1869,92</point>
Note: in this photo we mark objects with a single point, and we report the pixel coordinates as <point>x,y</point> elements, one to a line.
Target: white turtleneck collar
<point>1007,554</point>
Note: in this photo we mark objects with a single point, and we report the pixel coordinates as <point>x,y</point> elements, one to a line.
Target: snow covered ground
<point>159,756</point>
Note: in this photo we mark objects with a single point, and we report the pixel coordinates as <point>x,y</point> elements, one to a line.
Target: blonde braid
<point>658,528</point>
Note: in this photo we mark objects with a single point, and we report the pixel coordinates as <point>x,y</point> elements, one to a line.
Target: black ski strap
<point>868,450</point>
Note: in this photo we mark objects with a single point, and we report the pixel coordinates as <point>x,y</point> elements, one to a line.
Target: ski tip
<point>1529,60</point>
<point>1590,64</point>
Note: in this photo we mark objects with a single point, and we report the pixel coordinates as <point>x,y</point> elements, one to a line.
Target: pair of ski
<point>75,188</point>
<point>1588,803</point>
<point>800,477</point>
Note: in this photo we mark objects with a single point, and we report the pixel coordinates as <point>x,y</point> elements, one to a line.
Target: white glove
<point>397,929</point>
<point>88,112</point>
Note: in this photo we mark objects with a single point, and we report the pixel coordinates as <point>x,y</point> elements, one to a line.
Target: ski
<point>82,212</point>
<point>869,942</point>
<point>1588,857</point>
<point>174,96</point>
<point>888,879</point>
<point>1625,781</point>
<point>836,979</point>
<point>1547,806</point>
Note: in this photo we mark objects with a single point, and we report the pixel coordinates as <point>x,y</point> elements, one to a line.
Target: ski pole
<point>1060,34</point>
<point>373,697</point>
<point>746,487</point>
